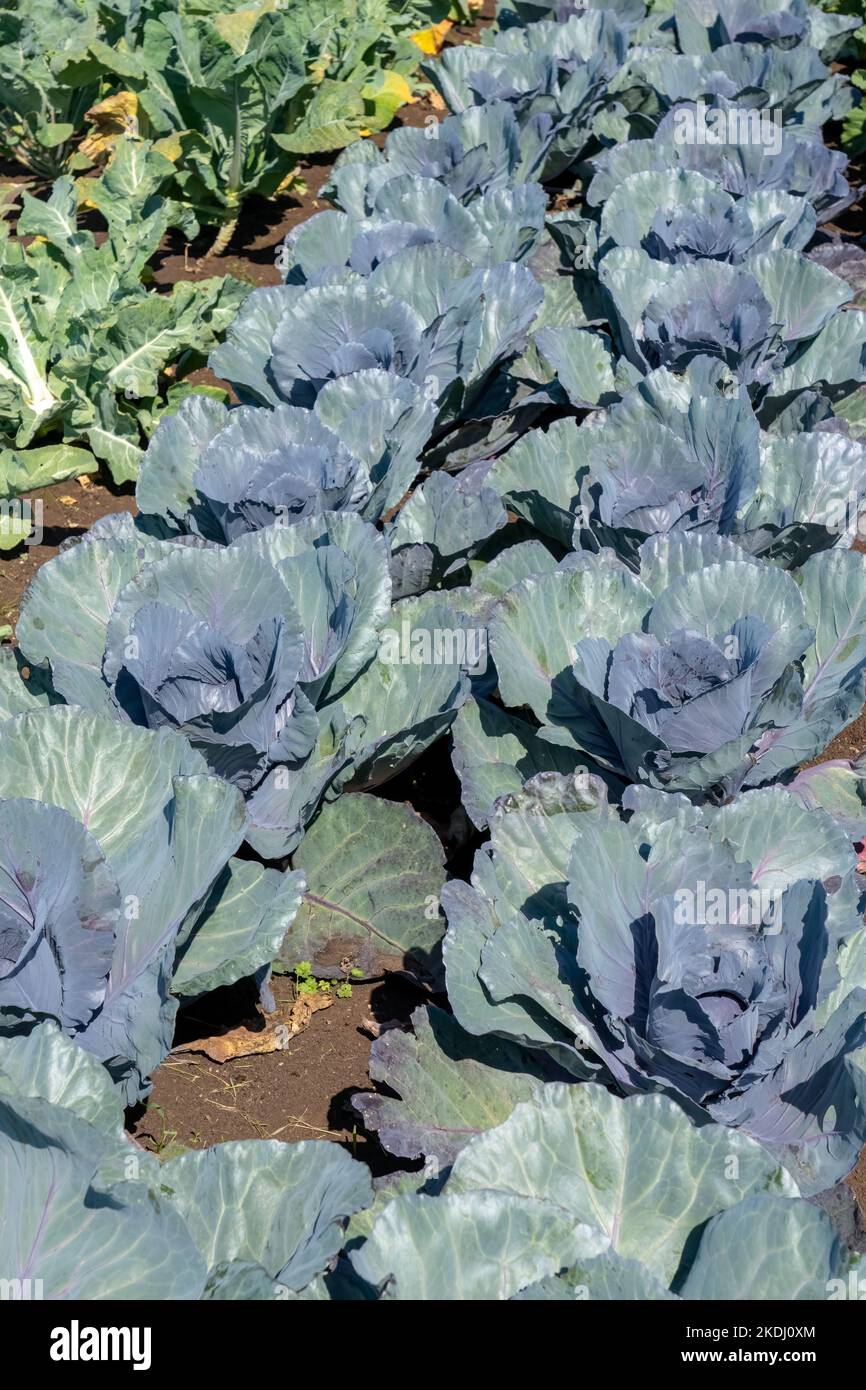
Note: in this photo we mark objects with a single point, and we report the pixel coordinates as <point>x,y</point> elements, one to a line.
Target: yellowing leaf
<point>293,183</point>
<point>112,118</point>
<point>170,147</point>
<point>430,40</point>
<point>235,29</point>
<point>122,105</point>
<point>319,67</point>
<point>385,96</point>
<point>82,187</point>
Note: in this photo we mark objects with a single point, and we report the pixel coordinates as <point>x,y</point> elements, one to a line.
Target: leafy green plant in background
<point>854,131</point>
<point>241,95</point>
<point>51,73</point>
<point>84,344</point>
<point>219,85</point>
<point>236,94</point>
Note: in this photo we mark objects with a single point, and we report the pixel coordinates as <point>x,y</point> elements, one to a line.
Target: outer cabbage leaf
<point>158,833</point>
<point>279,1205</point>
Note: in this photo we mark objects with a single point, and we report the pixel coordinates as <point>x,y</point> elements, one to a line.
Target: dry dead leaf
<point>111,119</point>
<point>282,1025</point>
<point>376,1029</point>
<point>68,501</point>
<point>84,481</point>
<point>303,1008</point>
<point>240,1042</point>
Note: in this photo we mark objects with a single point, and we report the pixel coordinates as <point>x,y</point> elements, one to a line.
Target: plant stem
<point>236,169</point>
<point>223,237</point>
<point>226,232</point>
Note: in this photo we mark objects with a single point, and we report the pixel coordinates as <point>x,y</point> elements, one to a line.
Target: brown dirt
<point>857,1183</point>
<point>68,509</point>
<point>849,744</point>
<point>303,1092</point>
<point>250,254</point>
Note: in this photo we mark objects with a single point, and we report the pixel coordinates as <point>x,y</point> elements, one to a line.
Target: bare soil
<point>857,1183</point>
<point>303,1092</point>
<point>68,510</point>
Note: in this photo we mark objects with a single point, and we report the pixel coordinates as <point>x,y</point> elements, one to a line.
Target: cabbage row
<point>547,445</point>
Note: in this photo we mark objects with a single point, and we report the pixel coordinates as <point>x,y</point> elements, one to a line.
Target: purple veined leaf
<point>154,825</point>
<point>60,906</point>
